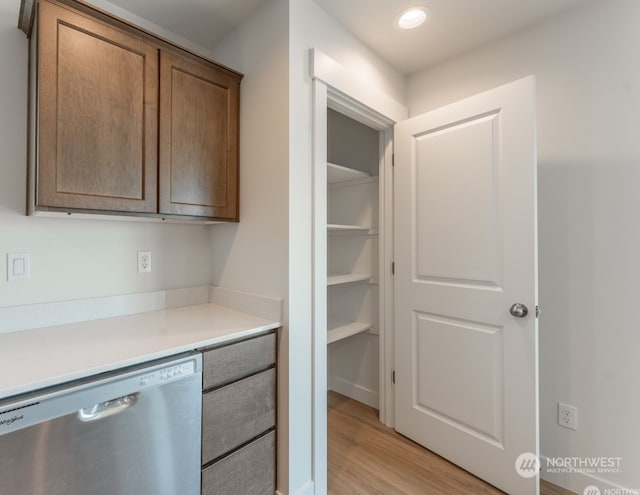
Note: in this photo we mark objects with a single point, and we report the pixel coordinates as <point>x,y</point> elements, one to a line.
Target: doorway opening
<point>463,229</point>
<point>355,287</point>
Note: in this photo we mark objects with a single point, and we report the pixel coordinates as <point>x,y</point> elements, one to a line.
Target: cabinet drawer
<point>237,413</point>
<point>249,471</point>
<point>226,364</point>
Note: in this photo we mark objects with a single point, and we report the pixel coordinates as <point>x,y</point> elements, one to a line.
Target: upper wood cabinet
<point>128,123</point>
<point>97,115</point>
<point>198,139</point>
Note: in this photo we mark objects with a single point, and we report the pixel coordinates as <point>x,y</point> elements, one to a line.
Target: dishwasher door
<point>137,433</point>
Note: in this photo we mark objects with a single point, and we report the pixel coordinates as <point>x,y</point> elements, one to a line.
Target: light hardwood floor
<point>367,458</point>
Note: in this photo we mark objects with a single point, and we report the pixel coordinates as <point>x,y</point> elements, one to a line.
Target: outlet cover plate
<point>567,416</point>
<point>144,261</point>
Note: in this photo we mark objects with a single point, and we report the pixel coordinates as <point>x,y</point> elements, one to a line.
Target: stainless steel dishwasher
<point>134,432</point>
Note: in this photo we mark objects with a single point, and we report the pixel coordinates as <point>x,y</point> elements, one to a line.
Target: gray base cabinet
<point>248,470</point>
<point>239,417</point>
<point>238,413</point>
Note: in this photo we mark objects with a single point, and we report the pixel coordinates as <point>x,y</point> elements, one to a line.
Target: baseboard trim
<point>307,489</point>
<point>354,391</point>
<point>577,482</point>
<point>48,314</point>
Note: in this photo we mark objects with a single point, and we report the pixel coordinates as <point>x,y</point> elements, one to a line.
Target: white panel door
<point>465,252</point>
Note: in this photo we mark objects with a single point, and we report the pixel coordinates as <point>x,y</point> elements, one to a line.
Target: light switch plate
<point>18,266</point>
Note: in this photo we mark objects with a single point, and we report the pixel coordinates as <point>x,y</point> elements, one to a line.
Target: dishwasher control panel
<point>167,374</point>
<point>95,394</point>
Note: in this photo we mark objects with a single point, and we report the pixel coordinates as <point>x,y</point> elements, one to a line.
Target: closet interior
<point>353,246</point>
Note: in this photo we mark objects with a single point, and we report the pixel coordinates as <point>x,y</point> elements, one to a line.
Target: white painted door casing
<point>465,251</point>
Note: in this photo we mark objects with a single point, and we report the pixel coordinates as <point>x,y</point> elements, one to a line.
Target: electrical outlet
<point>144,261</point>
<point>567,416</point>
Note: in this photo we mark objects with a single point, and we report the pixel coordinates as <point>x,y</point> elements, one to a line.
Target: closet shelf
<point>335,227</point>
<point>338,173</point>
<point>341,329</point>
<point>348,279</point>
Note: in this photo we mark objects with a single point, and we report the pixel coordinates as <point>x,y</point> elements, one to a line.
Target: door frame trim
<point>361,92</point>
<point>335,87</point>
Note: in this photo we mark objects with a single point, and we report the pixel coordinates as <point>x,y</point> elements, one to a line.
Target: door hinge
<point>393,377</point>
<point>393,159</point>
<point>393,268</point>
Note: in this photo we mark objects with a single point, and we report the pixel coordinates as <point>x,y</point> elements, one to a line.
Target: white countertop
<point>35,359</point>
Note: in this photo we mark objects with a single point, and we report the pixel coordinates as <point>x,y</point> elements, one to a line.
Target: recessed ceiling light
<point>413,17</point>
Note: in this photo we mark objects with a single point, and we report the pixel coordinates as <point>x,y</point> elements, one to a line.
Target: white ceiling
<point>456,25</point>
<point>205,22</point>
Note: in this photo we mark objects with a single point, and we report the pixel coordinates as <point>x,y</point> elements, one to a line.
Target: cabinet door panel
<point>98,92</point>
<point>198,139</point>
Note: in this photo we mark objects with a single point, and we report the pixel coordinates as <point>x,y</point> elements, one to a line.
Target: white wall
<point>270,251</point>
<point>589,176</point>
<point>74,259</point>
<point>312,27</point>
<point>352,144</point>
<point>253,256</point>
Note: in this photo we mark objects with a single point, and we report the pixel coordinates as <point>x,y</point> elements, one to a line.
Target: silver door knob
<point>519,310</point>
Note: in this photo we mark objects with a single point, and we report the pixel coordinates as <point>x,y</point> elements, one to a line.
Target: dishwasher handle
<point>108,408</point>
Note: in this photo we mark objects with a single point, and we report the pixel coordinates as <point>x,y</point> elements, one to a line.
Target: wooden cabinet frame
<point>150,177</point>
<point>89,155</point>
<point>209,187</point>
